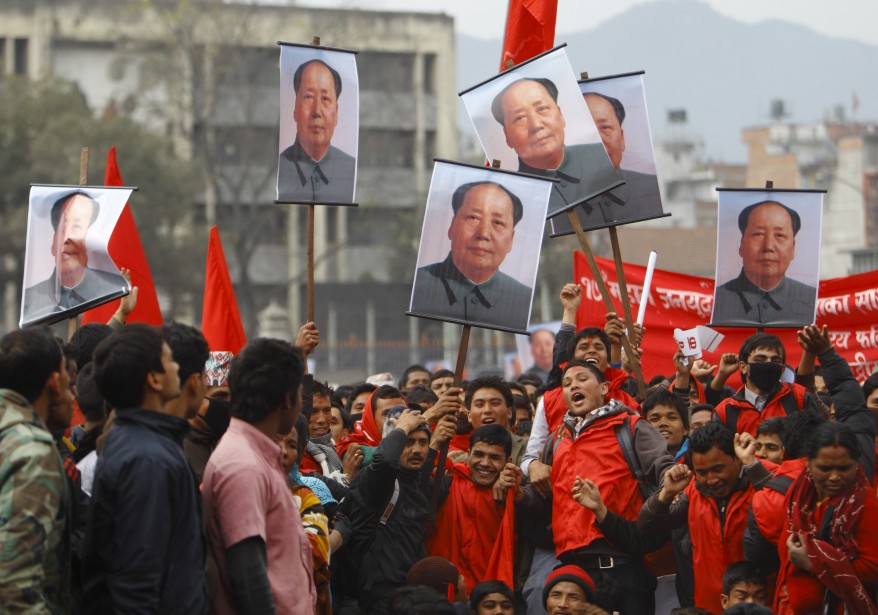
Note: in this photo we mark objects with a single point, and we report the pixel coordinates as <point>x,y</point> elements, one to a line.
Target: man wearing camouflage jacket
<point>35,399</point>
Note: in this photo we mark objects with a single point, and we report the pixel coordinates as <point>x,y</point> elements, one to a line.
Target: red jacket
<point>715,543</point>
<point>553,400</point>
<point>790,398</point>
<point>767,504</point>
<point>799,592</point>
<point>595,454</point>
<point>475,533</point>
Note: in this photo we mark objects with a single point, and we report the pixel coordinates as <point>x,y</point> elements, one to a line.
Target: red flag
<point>127,252</point>
<point>220,319</point>
<point>530,29</point>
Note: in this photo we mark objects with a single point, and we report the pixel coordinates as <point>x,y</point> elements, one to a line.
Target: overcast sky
<point>851,19</point>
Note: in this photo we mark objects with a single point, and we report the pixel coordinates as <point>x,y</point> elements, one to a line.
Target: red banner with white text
<point>848,306</point>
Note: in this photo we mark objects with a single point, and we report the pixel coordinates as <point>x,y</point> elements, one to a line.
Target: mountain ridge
<point>724,72</point>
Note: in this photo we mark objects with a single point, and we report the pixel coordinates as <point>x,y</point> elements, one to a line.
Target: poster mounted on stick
<point>762,279</point>
<point>618,108</point>
<point>319,125</point>
<point>533,119</point>
<point>480,246</point>
<point>67,266</point>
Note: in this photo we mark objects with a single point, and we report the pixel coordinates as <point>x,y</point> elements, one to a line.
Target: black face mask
<point>764,375</point>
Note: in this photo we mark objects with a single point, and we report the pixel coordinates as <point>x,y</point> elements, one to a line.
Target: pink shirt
<point>246,494</point>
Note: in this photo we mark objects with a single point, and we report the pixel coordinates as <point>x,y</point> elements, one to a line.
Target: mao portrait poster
<point>767,257</point>
<point>319,125</point>
<point>480,246</point>
<point>67,268</point>
<point>533,119</point>
<point>618,107</point>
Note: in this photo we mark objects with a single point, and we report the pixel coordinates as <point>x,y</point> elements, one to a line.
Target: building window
<point>429,148</point>
<point>387,148</point>
<point>20,56</point>
<point>429,73</point>
<point>385,72</point>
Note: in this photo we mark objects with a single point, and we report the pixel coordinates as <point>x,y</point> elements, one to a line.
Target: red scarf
<point>831,561</point>
<point>470,525</point>
<point>365,430</point>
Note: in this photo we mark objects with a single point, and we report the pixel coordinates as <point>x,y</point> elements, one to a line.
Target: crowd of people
<point>142,473</point>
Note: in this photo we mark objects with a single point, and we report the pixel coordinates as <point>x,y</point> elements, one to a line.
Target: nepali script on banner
<point>848,306</point>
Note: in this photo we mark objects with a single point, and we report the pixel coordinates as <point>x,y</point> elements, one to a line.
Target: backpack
<point>624,435</point>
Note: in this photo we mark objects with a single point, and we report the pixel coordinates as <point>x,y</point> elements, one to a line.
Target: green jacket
<point>34,513</point>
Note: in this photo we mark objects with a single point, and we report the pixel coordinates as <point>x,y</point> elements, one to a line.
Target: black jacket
<point>145,547</point>
<point>377,556</point>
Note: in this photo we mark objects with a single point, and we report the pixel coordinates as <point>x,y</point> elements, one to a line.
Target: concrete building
<point>206,72</point>
<point>686,240</point>
<point>834,155</point>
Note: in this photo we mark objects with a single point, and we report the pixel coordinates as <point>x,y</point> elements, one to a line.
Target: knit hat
<point>216,369</point>
<point>572,574</point>
<point>436,573</point>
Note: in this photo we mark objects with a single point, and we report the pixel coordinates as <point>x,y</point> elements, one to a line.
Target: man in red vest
<point>475,524</point>
<point>715,505</point>
<point>609,444</point>
<point>591,345</point>
<point>761,362</point>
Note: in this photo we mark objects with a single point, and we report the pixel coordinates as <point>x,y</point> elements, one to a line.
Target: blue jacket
<point>145,546</point>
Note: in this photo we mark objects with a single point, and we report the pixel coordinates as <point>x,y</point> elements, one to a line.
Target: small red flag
<point>127,252</point>
<point>220,319</point>
<point>530,30</point>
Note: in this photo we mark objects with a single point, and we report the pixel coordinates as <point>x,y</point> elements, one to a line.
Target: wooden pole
<point>310,290</point>
<point>443,452</point>
<point>83,166</point>
<point>73,323</point>
<point>769,184</point>
<point>599,280</point>
<point>626,307</point>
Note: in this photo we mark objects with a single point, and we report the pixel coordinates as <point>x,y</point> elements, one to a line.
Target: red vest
<point>595,454</point>
<point>553,400</point>
<point>749,418</point>
<point>715,546</point>
<point>767,504</point>
<point>474,533</point>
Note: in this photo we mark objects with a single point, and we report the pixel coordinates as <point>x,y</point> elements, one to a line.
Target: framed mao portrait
<point>533,119</point>
<point>767,257</point>
<point>67,267</point>
<point>319,125</point>
<point>618,108</point>
<point>480,246</point>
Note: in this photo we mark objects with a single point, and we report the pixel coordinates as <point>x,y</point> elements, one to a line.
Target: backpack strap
<point>790,403</point>
<point>551,446</point>
<point>626,443</point>
<point>780,484</point>
<point>732,413</point>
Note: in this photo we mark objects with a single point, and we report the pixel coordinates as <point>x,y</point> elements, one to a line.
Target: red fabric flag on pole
<point>220,319</point>
<point>530,29</point>
<point>127,252</point>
